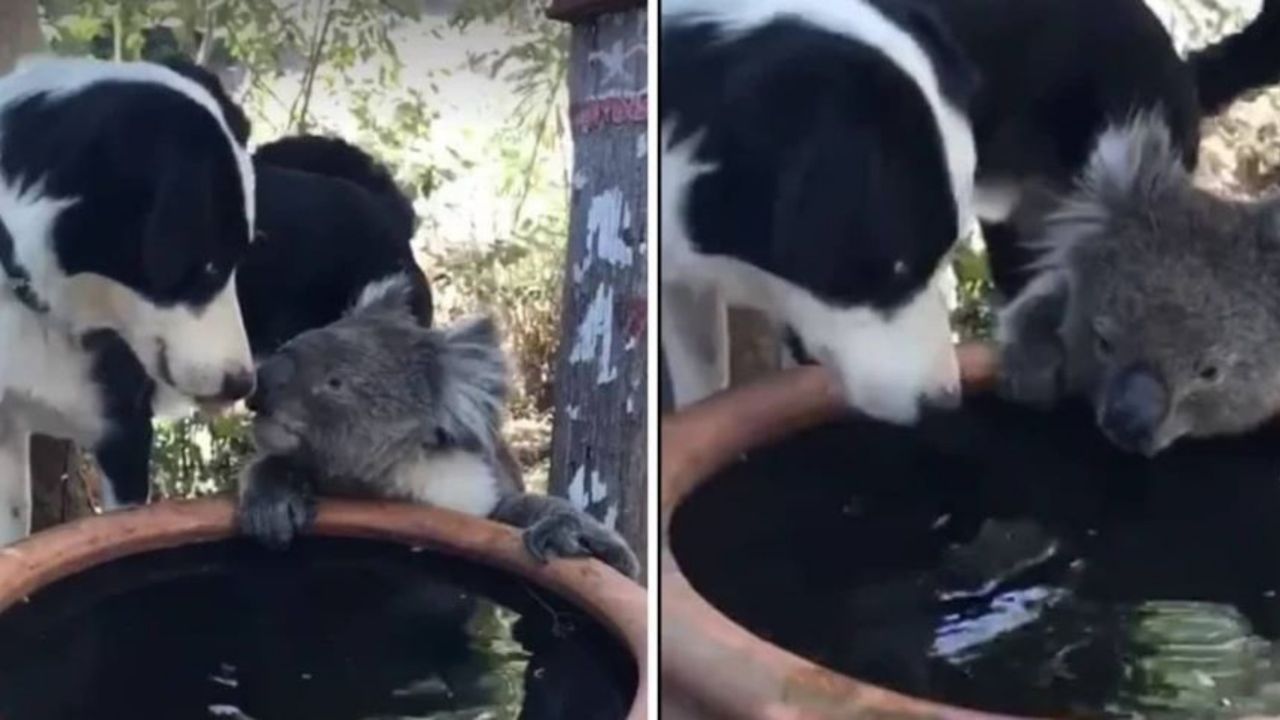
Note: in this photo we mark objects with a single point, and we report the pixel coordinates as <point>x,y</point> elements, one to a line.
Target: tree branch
<point>302,102</point>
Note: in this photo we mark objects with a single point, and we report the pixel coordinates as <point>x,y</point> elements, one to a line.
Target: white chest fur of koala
<point>453,479</point>
<point>377,406</point>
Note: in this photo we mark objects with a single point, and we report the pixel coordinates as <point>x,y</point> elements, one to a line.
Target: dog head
<point>131,201</point>
<point>360,392</point>
<point>828,145</point>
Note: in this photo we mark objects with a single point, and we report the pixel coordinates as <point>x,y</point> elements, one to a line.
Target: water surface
<point>331,630</point>
<point>1007,560</point>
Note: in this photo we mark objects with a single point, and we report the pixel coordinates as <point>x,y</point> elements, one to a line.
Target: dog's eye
<point>211,270</point>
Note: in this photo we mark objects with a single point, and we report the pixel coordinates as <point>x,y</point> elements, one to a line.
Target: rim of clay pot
<point>706,660</point>
<point>613,600</point>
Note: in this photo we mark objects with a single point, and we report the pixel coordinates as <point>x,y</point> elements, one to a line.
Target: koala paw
<point>275,512</point>
<point>575,534</point>
<point>1032,373</point>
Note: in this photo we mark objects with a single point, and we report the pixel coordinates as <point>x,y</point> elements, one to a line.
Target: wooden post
<point>58,488</point>
<point>599,441</point>
<point>19,31</point>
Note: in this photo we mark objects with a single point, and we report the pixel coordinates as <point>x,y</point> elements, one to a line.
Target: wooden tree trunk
<point>19,31</point>
<point>599,441</point>
<point>59,492</point>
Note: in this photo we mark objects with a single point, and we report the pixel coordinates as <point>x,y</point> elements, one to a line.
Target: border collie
<point>331,222</point>
<point>817,164</point>
<point>126,203</point>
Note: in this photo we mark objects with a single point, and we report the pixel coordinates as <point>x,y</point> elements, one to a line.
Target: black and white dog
<point>126,204</point>
<point>331,224</point>
<point>795,179</point>
<point>817,164</point>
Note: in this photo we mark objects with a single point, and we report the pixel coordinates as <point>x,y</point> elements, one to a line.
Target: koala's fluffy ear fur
<point>473,381</point>
<point>391,296</point>
<point>1131,168</point>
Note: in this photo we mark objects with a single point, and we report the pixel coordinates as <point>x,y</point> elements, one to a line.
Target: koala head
<point>354,397</point>
<point>1171,320</point>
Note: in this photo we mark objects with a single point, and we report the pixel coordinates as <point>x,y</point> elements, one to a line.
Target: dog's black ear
<point>236,118</point>
<point>864,205</point>
<point>181,222</point>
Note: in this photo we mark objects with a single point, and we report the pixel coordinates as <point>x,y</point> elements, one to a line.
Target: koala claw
<point>569,534</point>
<point>274,514</point>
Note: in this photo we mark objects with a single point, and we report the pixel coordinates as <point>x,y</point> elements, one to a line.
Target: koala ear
<point>1135,161</point>
<point>1132,166</point>
<point>473,381</point>
<point>390,296</point>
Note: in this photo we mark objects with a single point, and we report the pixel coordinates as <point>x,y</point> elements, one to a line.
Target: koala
<point>1155,300</point>
<point>375,405</point>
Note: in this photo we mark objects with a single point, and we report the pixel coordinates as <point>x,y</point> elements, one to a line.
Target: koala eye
<point>1102,345</point>
<point>334,383</point>
<point>1208,373</point>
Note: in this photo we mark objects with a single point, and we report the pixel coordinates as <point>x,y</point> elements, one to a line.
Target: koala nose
<point>1134,404</point>
<point>236,385</point>
<point>273,374</point>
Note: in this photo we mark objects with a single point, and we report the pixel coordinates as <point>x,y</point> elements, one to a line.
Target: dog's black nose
<point>1135,402</point>
<point>236,385</point>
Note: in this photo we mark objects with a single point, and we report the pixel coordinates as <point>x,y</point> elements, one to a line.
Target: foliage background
<point>368,70</point>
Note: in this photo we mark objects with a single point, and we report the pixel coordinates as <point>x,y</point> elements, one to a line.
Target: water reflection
<point>1007,560</point>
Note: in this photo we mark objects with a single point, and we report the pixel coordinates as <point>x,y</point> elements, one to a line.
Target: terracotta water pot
<point>711,667</point>
<point>616,602</point>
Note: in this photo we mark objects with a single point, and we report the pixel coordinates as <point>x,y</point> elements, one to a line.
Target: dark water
<point>1007,560</point>
<point>332,630</point>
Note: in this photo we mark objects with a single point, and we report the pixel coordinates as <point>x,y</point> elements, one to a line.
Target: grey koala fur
<point>1156,300</point>
<point>377,406</point>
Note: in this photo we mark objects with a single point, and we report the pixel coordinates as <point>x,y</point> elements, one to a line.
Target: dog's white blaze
<point>451,479</point>
<point>203,345</point>
<point>63,75</point>
<point>888,365</point>
<point>861,21</point>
